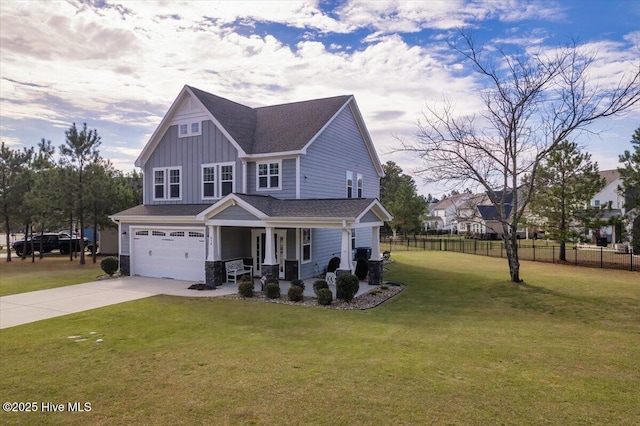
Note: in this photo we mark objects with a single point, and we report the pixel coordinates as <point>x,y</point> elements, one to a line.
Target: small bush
<point>272,290</point>
<point>245,288</point>
<point>347,286</point>
<point>334,264</point>
<point>295,293</point>
<point>110,265</point>
<point>320,284</point>
<point>298,283</point>
<point>325,297</point>
<point>362,269</point>
<point>384,287</point>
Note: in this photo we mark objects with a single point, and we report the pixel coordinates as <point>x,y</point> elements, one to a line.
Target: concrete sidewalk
<point>34,306</point>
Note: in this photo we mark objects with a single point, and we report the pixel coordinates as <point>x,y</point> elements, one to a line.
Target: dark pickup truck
<point>48,242</point>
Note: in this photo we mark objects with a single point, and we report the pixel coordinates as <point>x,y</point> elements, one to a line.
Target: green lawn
<point>54,270</point>
<point>461,345</point>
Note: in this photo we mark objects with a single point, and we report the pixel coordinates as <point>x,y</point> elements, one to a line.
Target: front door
<point>258,237</point>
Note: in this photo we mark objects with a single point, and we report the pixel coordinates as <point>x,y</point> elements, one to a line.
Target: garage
<point>168,253</point>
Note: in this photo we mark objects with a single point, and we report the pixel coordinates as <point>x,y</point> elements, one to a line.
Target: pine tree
<point>630,175</point>
<point>564,185</point>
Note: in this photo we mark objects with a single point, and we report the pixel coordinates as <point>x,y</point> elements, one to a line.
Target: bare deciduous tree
<point>532,102</point>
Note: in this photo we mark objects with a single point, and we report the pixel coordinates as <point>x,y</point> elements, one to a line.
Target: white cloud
<point>124,64</point>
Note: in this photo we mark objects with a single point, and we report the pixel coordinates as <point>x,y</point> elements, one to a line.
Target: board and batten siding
<point>287,180</point>
<point>190,153</point>
<point>338,149</point>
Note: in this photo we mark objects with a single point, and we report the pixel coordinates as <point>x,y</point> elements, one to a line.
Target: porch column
<point>345,252</point>
<point>375,263</point>
<point>270,267</point>
<point>214,268</point>
<point>375,243</point>
<point>213,249</point>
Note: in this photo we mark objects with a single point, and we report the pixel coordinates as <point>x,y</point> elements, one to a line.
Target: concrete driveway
<point>34,306</point>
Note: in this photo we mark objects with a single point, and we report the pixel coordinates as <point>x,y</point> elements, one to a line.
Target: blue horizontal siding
<point>340,148</point>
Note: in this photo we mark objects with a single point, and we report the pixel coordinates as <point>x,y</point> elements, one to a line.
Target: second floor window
<point>217,180</point>
<point>167,183</point>
<point>354,185</point>
<point>269,175</point>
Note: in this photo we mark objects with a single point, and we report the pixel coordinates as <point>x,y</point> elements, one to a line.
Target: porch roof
<point>265,209</point>
<point>268,208</point>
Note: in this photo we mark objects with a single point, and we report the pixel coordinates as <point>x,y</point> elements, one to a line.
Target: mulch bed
<point>369,300</point>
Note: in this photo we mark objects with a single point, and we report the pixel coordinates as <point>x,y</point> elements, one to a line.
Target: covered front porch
<point>296,246</point>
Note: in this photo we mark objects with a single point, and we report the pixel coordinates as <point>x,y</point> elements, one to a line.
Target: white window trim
<point>189,123</point>
<point>359,193</point>
<point>217,191</point>
<point>164,183</point>
<point>269,187</point>
<point>347,186</point>
<point>167,185</point>
<point>302,244</point>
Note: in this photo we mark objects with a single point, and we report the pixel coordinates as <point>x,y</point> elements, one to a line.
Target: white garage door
<point>168,253</point>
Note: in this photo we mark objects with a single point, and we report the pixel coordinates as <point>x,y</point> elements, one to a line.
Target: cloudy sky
<point>118,65</point>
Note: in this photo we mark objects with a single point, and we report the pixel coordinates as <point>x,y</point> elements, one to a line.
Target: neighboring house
<point>479,218</point>
<point>443,216</point>
<point>610,192</point>
<point>611,200</point>
<point>284,188</point>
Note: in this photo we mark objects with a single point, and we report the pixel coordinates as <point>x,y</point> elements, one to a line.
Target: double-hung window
<point>217,180</point>
<point>167,183</point>
<point>158,184</point>
<point>306,245</point>
<point>354,185</point>
<point>269,175</point>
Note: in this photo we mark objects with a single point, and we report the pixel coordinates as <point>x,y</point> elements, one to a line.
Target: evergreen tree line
<point>71,187</point>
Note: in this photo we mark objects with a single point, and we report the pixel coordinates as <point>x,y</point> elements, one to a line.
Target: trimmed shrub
<point>325,297</point>
<point>320,284</point>
<point>362,269</point>
<point>110,265</point>
<point>334,264</point>
<point>295,293</point>
<point>347,286</point>
<point>245,288</point>
<point>298,283</point>
<point>272,290</point>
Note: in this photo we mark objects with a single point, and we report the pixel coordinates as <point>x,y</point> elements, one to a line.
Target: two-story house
<point>284,188</point>
<point>444,215</point>
<point>610,200</point>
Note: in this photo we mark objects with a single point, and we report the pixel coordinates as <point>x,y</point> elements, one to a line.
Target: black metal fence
<point>595,257</point>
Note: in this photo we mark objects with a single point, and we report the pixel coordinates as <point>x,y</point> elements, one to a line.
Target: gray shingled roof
<point>277,128</point>
<point>270,206</point>
<point>165,210</point>
<point>324,208</point>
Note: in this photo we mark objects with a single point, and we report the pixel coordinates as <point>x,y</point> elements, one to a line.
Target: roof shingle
<point>276,128</point>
